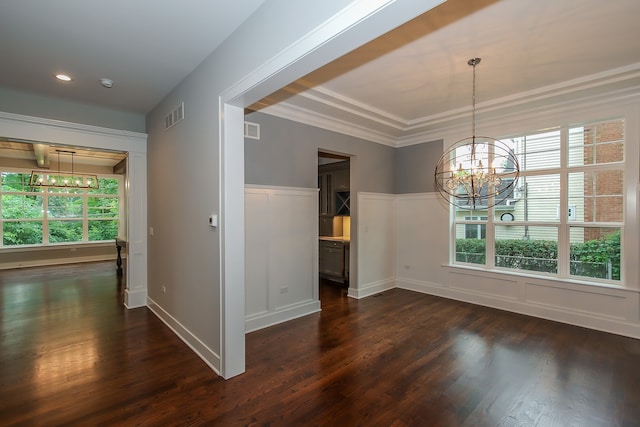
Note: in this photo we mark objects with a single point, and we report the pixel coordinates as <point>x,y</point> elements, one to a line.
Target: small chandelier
<point>61,179</point>
<point>477,172</point>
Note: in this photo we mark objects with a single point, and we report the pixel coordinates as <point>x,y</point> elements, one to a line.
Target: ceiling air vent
<point>251,130</point>
<point>176,115</point>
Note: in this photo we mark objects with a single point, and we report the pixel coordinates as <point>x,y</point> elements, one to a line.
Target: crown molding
<point>394,131</point>
<point>96,130</point>
<point>351,106</point>
<point>289,111</point>
<point>627,95</point>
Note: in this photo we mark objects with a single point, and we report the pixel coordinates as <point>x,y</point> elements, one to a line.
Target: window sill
<point>57,246</point>
<point>539,277</point>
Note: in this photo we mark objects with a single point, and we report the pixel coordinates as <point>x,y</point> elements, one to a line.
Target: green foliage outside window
<point>532,255</point>
<point>587,258</point>
<point>22,233</point>
<point>107,186</point>
<point>103,230</point>
<point>21,206</point>
<point>65,231</point>
<point>598,258</point>
<point>471,250</point>
<point>24,215</point>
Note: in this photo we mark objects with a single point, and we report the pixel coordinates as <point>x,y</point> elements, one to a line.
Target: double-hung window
<point>565,215</point>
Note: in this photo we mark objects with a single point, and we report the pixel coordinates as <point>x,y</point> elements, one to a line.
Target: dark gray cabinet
<point>333,185</point>
<point>341,176</point>
<point>334,261</point>
<point>326,193</point>
<point>325,226</point>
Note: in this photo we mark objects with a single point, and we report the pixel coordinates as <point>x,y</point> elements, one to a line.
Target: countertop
<point>342,239</point>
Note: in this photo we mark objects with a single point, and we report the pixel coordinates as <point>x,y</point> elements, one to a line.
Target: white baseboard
<point>57,261</point>
<point>371,288</point>
<point>135,298</point>
<point>564,314</point>
<point>280,315</point>
<point>201,349</point>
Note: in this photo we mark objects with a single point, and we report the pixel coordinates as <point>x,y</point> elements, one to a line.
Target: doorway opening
<point>56,212</point>
<point>334,222</point>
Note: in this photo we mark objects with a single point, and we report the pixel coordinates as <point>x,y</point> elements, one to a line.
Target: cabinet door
<point>346,261</point>
<point>325,181</point>
<point>341,178</point>
<point>331,259</point>
<point>325,226</point>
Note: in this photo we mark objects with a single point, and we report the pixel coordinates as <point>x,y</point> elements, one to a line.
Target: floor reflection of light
<point>65,367</point>
<point>469,349</point>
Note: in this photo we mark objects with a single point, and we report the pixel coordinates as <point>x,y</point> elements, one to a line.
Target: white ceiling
<point>145,46</point>
<point>392,90</point>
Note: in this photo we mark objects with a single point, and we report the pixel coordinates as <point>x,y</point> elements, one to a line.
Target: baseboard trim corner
<point>193,342</point>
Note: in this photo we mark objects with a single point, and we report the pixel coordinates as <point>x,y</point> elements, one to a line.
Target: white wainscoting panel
<point>376,244</point>
<point>281,273</point>
<point>591,301</point>
<point>256,252</point>
<point>467,282</point>
<point>422,234</point>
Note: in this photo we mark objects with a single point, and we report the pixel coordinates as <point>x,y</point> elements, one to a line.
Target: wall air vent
<point>176,115</point>
<point>251,130</point>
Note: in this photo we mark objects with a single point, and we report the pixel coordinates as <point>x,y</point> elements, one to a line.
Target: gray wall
<point>287,155</point>
<point>28,104</point>
<point>415,166</point>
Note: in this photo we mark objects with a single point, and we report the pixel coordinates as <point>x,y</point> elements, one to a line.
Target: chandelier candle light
<point>477,172</point>
<point>61,179</point>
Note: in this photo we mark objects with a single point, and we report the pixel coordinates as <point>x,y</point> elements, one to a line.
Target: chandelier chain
<point>473,99</point>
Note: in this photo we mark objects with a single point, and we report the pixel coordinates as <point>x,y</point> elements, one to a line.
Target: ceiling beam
<point>121,167</point>
<point>42,155</point>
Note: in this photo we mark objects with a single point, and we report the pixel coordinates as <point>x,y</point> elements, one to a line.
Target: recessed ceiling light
<point>108,83</point>
<point>63,77</point>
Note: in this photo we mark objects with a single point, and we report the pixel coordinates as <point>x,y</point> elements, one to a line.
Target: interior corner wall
<point>376,232</point>
<point>414,167</point>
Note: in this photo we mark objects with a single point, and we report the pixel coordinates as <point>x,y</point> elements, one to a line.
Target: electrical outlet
<point>164,289</point>
<point>284,289</point>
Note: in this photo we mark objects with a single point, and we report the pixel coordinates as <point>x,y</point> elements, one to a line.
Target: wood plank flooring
<point>71,354</point>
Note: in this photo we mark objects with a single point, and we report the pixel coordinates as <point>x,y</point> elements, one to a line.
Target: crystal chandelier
<point>61,179</point>
<point>476,172</point>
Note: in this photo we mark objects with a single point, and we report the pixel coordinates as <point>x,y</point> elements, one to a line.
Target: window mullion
<point>45,217</point>
<point>85,217</point>
<point>563,228</point>
<point>490,240</point>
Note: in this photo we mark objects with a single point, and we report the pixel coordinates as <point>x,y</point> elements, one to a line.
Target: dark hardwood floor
<point>71,354</point>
